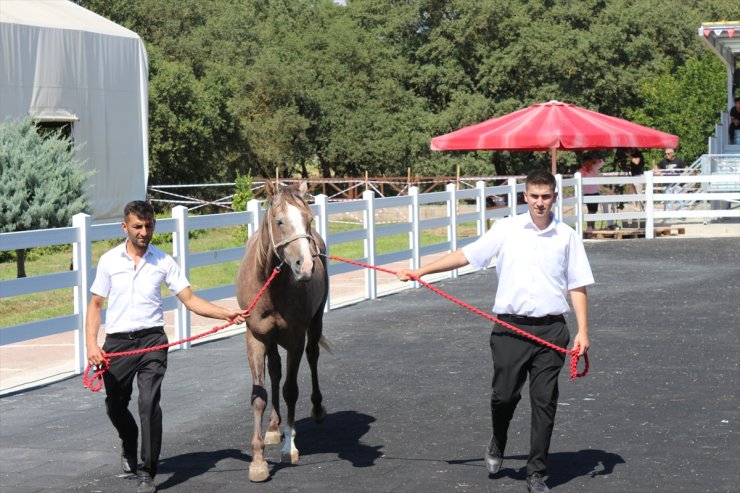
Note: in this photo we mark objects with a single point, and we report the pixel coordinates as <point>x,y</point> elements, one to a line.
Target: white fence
<point>82,233</point>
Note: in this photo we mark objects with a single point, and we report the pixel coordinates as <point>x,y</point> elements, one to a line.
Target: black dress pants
<point>148,369</point>
<point>515,358</point>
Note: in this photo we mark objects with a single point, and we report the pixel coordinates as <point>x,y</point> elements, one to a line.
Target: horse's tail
<point>324,343</point>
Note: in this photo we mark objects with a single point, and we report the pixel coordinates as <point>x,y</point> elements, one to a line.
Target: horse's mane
<point>288,194</point>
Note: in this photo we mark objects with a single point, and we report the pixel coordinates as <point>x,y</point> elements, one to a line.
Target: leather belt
<point>135,334</point>
<point>524,320</point>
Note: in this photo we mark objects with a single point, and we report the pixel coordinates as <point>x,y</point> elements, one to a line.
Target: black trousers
<point>515,358</point>
<point>148,369</point>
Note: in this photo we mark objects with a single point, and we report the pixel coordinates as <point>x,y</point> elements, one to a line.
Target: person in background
<point>734,120</point>
<point>130,276</point>
<point>591,166</point>
<point>670,164</point>
<point>636,167</point>
<point>539,262</point>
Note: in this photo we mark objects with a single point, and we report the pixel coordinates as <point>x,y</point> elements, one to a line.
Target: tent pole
<point>553,159</point>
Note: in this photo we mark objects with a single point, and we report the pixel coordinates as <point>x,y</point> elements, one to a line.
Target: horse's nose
<point>303,270</point>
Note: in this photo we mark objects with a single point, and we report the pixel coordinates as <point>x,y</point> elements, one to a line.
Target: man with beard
<point>130,276</point>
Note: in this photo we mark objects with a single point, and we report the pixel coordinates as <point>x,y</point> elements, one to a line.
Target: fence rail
<point>657,193</point>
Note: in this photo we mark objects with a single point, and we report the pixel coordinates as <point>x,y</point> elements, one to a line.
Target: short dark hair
<point>140,208</point>
<point>540,177</point>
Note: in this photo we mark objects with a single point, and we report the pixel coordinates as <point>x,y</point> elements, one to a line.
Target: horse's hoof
<point>258,472</point>
<point>320,415</point>
<point>273,437</point>
<point>291,457</point>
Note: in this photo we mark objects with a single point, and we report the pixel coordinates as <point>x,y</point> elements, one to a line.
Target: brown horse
<point>289,313</point>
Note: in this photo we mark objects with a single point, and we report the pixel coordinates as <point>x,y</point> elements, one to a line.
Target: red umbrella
<point>552,126</point>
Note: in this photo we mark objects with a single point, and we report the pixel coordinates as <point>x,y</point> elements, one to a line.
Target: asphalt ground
<point>407,391</point>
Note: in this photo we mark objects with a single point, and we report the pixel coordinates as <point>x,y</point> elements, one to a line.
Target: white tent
<point>62,63</point>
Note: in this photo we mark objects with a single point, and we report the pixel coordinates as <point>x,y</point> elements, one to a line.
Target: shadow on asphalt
<point>340,434</point>
<point>567,466</point>
<point>187,466</point>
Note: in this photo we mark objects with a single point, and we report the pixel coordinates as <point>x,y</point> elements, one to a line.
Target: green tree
<point>686,103</point>
<point>194,138</point>
<point>42,185</point>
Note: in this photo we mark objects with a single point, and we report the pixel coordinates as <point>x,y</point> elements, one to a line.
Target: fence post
<point>481,186</point>
<point>180,240</point>
<point>649,205</point>
<point>414,238</point>
<point>559,202</point>
<point>452,227</point>
<point>579,203</point>
<point>81,262</point>
<point>512,196</point>
<point>368,220</point>
<point>255,207</point>
<point>321,202</point>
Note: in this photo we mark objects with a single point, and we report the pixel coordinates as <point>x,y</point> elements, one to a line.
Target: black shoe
<point>536,484</point>
<point>128,463</point>
<point>494,457</point>
<point>146,483</point>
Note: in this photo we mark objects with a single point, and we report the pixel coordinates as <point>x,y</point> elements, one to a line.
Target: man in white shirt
<point>539,261</point>
<point>130,276</point>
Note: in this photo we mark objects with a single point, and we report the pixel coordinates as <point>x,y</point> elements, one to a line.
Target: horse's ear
<point>269,188</point>
<point>303,189</point>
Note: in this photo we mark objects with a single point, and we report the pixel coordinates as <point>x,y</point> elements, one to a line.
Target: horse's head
<point>288,222</point>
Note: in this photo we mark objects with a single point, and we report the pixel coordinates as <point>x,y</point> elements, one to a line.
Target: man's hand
<point>95,355</point>
<point>237,317</point>
<point>581,342</point>
<point>406,275</point>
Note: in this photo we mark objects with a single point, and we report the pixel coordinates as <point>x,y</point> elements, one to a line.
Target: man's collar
<point>530,223</point>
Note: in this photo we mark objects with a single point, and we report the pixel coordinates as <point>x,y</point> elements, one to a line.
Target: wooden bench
<point>618,234</point>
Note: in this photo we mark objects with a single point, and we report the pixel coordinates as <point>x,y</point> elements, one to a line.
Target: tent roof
<point>60,14</point>
<point>723,38</point>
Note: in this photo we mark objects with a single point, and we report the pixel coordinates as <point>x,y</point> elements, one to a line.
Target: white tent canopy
<point>62,63</point>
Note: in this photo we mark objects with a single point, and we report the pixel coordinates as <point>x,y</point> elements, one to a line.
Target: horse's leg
<point>289,451</point>
<point>258,470</point>
<point>318,412</point>
<point>274,367</point>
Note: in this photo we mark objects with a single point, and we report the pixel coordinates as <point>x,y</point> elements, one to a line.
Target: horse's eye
<point>279,222</point>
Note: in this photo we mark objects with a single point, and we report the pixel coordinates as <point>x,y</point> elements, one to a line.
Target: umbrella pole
<point>553,159</point>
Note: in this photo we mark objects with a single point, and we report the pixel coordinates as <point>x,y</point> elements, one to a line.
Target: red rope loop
<point>572,352</point>
<point>94,381</point>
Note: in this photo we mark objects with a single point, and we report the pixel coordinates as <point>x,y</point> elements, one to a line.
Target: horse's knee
<point>259,398</point>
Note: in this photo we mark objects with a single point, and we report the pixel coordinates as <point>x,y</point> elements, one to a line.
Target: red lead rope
<point>94,381</point>
<point>572,352</point>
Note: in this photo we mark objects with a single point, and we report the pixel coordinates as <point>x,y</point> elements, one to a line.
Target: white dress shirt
<point>535,268</point>
<point>134,294</point>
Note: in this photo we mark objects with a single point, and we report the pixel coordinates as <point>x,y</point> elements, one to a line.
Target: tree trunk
<point>20,262</point>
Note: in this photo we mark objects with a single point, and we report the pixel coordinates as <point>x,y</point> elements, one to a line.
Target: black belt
<point>524,320</point>
<point>135,334</point>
